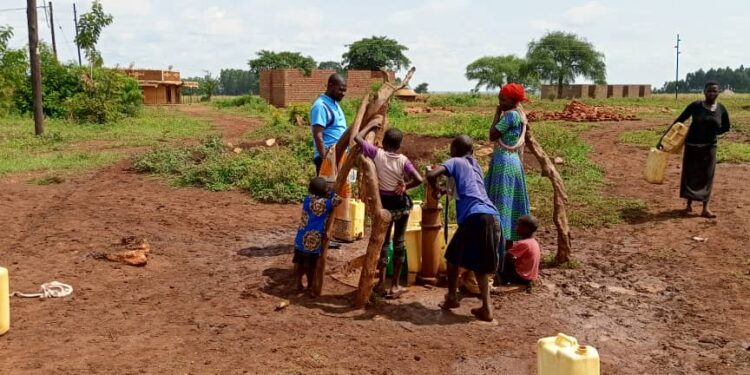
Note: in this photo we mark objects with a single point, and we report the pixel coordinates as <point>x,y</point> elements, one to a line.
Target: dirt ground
<point>649,297</point>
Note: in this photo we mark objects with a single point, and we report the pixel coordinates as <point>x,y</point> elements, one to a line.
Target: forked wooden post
<point>559,215</point>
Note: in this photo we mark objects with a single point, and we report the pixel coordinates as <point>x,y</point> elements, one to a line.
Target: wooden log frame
<point>371,111</point>
<point>559,215</point>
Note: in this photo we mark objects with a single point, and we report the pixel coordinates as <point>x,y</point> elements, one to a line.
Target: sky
<point>637,37</point>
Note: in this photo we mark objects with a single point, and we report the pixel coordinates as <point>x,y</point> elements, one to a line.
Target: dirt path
<point>652,300</point>
<point>232,127</point>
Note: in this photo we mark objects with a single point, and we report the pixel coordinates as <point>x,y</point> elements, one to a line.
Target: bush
<point>108,95</point>
<point>252,103</point>
<point>454,100</point>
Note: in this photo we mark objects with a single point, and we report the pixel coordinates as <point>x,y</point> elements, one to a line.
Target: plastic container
<point>451,231</point>
<point>4,301</point>
<point>561,355</point>
<point>357,214</point>
<point>389,267</point>
<point>674,140</point>
<point>414,249</point>
<point>656,166</point>
<point>415,215</point>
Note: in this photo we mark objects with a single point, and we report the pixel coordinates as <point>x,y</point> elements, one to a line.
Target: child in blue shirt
<point>309,240</point>
<point>475,243</point>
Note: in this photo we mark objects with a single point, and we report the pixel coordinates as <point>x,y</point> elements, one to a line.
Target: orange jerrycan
<point>561,355</point>
<point>656,166</point>
<point>673,140</point>
<point>4,301</point>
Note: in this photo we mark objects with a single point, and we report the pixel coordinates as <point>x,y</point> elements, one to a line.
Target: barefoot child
<point>474,245</point>
<point>309,240</point>
<point>522,260</point>
<point>396,175</point>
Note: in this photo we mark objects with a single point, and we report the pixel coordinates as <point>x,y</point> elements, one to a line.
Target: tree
<point>90,26</point>
<point>375,53</point>
<point>560,57</point>
<point>492,72</point>
<point>421,88</point>
<point>13,70</point>
<point>208,86</point>
<point>237,82</point>
<point>331,65</point>
<point>267,60</point>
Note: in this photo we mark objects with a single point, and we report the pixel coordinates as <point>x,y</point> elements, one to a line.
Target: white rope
<point>53,289</point>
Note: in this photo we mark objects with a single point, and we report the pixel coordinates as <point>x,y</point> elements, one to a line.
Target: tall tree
<point>267,60</point>
<point>492,72</point>
<point>375,53</point>
<point>421,88</point>
<point>237,82</point>
<point>560,57</point>
<point>90,26</point>
<point>331,65</point>
<point>208,86</point>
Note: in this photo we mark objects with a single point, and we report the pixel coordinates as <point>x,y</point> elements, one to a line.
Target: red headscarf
<point>515,92</point>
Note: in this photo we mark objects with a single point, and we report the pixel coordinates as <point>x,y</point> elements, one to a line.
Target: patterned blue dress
<point>309,239</point>
<point>505,179</point>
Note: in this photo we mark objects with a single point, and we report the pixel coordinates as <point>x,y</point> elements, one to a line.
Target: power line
<point>16,9</point>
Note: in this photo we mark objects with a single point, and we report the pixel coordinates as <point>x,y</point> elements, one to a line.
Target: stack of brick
<point>596,91</point>
<point>282,87</point>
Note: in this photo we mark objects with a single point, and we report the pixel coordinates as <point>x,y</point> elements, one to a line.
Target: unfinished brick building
<point>160,86</point>
<point>596,91</point>
<point>282,87</point>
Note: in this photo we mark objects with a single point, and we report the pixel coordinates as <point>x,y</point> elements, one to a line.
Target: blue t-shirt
<point>311,231</point>
<point>327,113</point>
<point>471,196</point>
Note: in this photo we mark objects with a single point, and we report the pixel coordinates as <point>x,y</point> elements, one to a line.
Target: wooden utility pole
<point>75,22</point>
<point>36,74</point>
<point>677,68</point>
<point>52,28</point>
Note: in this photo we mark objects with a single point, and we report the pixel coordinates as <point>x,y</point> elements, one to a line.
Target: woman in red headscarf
<point>505,180</point>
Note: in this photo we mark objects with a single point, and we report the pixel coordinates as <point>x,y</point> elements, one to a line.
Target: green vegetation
<point>268,60</point>
<point>375,53</point>
<point>70,146</point>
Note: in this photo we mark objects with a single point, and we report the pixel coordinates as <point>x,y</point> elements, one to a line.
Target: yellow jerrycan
<point>656,166</point>
<point>357,214</point>
<point>4,301</point>
<point>561,355</point>
<point>673,140</point>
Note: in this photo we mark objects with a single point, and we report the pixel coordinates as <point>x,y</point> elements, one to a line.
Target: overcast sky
<point>443,36</point>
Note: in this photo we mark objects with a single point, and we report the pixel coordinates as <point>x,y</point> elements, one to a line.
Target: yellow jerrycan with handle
<point>656,166</point>
<point>673,141</point>
<point>4,301</point>
<point>561,355</point>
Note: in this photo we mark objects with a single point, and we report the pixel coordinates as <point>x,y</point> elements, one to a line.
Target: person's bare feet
<point>450,303</point>
<point>482,313</point>
<point>708,214</point>
<point>396,292</point>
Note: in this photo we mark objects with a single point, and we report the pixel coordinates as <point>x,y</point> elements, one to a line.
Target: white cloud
<point>588,13</point>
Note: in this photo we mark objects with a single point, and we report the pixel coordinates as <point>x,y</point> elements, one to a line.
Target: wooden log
<point>380,221</point>
<point>559,215</point>
<point>341,178</point>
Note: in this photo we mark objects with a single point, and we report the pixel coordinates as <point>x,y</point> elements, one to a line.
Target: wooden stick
<point>380,220</point>
<point>341,177</point>
<point>559,215</point>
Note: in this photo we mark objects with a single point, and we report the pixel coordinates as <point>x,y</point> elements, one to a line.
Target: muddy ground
<point>648,296</point>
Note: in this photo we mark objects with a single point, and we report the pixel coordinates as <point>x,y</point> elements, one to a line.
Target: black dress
<point>699,160</point>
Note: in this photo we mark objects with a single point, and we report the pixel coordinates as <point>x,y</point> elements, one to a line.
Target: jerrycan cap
<point>582,349</point>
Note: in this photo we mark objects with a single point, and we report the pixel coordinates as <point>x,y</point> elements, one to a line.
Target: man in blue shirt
<point>327,118</point>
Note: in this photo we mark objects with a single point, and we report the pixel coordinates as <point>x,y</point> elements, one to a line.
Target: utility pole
<point>75,22</point>
<point>52,28</point>
<point>36,74</point>
<point>677,68</point>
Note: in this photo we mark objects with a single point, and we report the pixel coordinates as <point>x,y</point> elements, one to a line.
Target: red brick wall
<point>282,87</point>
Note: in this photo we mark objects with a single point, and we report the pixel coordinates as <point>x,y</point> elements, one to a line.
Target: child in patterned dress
<point>309,240</point>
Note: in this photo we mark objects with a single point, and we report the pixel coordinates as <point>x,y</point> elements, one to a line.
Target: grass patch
<point>47,180</point>
<point>69,146</point>
<point>548,261</point>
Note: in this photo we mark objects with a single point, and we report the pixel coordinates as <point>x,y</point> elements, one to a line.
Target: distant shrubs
<point>252,103</point>
<point>454,100</point>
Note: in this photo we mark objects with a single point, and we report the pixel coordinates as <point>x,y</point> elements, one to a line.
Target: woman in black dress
<point>710,119</point>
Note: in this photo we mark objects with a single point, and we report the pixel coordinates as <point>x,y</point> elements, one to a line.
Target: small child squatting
<point>521,264</point>
<point>475,243</point>
<point>396,175</point>
<point>311,233</point>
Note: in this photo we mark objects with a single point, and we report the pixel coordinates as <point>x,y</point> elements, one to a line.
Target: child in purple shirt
<point>475,243</point>
<point>396,175</point>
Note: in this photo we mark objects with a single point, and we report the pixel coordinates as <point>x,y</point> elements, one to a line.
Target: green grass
<point>69,146</point>
<point>726,152</point>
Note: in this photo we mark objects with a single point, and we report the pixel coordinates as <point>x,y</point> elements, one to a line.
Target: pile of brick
<point>579,112</point>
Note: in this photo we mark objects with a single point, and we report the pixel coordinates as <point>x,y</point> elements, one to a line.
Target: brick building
<point>596,91</point>
<point>282,87</point>
<point>160,86</point>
